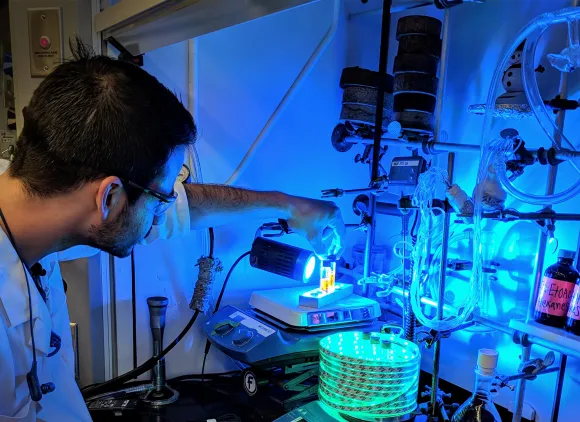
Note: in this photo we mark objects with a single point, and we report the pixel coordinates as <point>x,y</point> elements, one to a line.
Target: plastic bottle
<point>556,291</point>
<point>573,322</point>
<point>479,407</point>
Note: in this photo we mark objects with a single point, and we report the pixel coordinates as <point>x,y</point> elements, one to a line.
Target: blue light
<point>309,268</point>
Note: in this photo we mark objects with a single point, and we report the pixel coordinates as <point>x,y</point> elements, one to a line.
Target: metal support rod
<point>521,387</point>
<point>560,118</point>
<point>559,385</point>
<point>551,346</point>
<point>527,216</point>
<point>383,56</point>
<point>442,147</point>
<point>441,293</point>
<point>529,376</point>
<point>447,219</point>
<point>486,322</point>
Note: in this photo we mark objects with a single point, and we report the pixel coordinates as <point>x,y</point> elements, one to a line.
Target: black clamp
<point>278,229</point>
<point>124,54</point>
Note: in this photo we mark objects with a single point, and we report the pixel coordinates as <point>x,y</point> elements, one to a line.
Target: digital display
<point>329,317</point>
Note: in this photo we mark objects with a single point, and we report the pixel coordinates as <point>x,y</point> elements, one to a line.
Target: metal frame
<point>524,339</point>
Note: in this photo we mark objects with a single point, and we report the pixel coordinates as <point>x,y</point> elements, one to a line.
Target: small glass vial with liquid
<point>328,275</point>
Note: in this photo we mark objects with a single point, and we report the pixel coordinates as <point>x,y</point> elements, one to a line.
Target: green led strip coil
<point>369,376</point>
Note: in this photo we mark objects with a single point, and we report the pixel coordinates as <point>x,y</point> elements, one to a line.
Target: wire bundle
<point>429,234</point>
<point>369,375</point>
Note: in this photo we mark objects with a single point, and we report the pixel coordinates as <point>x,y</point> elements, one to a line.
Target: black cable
<point>413,236</point>
<point>192,377</point>
<point>203,364</point>
<point>218,303</point>
<point>134,307</point>
<point>117,382</point>
<point>211,241</point>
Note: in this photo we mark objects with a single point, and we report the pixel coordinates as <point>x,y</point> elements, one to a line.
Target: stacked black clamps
<point>359,98</point>
<point>415,71</point>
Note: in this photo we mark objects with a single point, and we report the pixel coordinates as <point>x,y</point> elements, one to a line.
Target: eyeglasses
<point>165,200</point>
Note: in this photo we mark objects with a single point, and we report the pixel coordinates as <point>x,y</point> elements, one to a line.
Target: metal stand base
<point>166,396</point>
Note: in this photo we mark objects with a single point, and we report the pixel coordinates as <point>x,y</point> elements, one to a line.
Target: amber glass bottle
<point>556,291</point>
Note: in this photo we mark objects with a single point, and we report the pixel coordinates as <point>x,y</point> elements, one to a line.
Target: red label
<point>554,297</point>
<point>574,309</point>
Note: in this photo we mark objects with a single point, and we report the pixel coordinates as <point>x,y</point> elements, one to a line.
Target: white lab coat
<point>65,403</point>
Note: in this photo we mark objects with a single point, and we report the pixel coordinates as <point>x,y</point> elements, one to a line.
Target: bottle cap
<point>566,254</point>
<point>487,360</point>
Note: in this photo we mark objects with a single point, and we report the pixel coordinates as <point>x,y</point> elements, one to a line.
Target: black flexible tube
<point>116,383</point>
<point>218,303</point>
<point>134,306</point>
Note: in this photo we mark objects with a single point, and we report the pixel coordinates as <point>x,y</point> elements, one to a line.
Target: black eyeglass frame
<point>165,199</point>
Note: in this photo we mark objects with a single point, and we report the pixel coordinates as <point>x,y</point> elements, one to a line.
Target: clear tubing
<point>531,34</point>
<point>429,233</point>
<point>434,269</point>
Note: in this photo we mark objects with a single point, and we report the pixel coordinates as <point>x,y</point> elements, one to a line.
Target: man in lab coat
<point>96,165</point>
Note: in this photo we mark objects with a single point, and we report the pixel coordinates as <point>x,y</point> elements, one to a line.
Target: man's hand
<point>320,222</point>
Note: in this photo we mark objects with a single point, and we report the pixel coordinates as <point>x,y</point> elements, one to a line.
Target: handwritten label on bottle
<point>554,297</point>
<point>574,309</point>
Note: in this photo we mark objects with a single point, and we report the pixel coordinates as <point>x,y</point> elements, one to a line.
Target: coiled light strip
<point>369,375</point>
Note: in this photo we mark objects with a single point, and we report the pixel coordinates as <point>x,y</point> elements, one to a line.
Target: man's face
<point>119,236</point>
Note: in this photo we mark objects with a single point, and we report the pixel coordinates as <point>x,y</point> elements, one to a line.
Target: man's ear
<point>111,197</point>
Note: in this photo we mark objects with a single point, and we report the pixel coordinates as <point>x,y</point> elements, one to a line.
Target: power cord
<point>217,306</point>
<point>117,382</point>
<point>134,306</point>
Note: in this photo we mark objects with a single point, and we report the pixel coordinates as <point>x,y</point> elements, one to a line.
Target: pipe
<point>559,385</point>
<point>316,54</point>
<point>383,56</point>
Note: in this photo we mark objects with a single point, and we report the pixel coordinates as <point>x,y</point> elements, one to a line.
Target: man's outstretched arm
<point>319,221</point>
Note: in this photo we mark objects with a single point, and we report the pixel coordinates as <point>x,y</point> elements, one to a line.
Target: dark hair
<point>95,116</point>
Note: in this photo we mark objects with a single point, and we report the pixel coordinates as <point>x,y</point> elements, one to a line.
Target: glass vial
<point>556,291</point>
<point>327,275</point>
